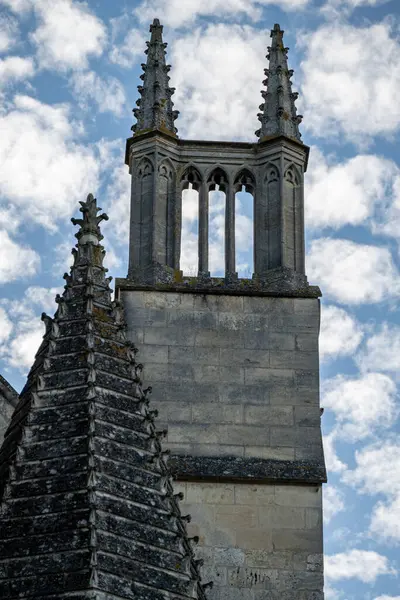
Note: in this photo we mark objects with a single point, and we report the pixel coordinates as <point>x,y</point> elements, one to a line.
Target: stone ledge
<point>232,468</point>
<point>219,286</point>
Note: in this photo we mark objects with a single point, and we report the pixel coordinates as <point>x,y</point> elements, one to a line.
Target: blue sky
<point>68,77</point>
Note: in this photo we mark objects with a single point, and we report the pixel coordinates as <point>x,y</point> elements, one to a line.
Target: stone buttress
<point>234,362</point>
<point>87,509</point>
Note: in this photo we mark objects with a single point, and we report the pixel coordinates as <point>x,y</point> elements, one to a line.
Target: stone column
<point>230,262</point>
<point>203,231</point>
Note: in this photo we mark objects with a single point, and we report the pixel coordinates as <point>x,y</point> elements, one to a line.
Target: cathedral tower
<point>233,362</point>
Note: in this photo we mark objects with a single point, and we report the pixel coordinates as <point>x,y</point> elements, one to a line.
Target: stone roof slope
<point>87,508</point>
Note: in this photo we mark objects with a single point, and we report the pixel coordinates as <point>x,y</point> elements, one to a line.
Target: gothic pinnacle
<point>155,107</point>
<point>278,116</point>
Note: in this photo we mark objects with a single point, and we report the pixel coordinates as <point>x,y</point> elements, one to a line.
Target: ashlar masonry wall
<point>236,381</point>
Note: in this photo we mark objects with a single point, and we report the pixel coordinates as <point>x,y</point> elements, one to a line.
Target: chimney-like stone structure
<point>233,362</point>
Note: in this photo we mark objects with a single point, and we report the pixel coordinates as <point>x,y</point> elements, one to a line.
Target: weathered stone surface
<point>86,498</point>
<point>255,544</point>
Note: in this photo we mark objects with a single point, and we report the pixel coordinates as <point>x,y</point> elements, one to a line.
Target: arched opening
<point>189,256</point>
<point>217,184</point>
<point>165,241</point>
<point>292,221</point>
<point>244,186</point>
<point>143,213</point>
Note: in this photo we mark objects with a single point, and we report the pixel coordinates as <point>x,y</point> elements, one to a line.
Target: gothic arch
<point>271,173</point>
<point>217,177</point>
<point>292,175</point>
<point>166,168</point>
<point>191,175</point>
<point>244,178</point>
<point>145,167</point>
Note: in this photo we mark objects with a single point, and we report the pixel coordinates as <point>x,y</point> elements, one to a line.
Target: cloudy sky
<point>68,77</point>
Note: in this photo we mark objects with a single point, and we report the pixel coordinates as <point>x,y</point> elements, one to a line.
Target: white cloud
<point>57,171</point>
<point>333,462</point>
<point>118,195</point>
<point>6,327</point>
<point>14,68</point>
<point>349,84</point>
<point>17,6</point>
<point>67,35</point>
<point>377,471</point>
<point>220,92</point>
<point>344,193</point>
<point>333,502</point>
<point>352,273</point>
<point>361,405</point>
<point>8,32</point>
<point>370,476</point>
<point>382,350</point>
<point>28,329</point>
<point>107,93</point>
<point>129,50</point>
<point>17,261</point>
<point>387,598</point>
<point>175,13</point>
<point>364,565</point>
<point>385,521</point>
<point>340,333</point>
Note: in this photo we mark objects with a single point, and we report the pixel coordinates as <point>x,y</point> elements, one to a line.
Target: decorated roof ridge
<point>87,504</point>
<point>278,114</point>
<point>155,106</point>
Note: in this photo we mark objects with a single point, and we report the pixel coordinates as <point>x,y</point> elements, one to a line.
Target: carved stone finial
<point>155,107</point>
<point>279,111</point>
<point>89,226</point>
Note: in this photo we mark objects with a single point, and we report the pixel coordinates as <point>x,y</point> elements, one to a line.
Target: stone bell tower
<point>234,362</point>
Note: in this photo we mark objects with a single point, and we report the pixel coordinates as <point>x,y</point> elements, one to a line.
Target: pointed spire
<point>155,107</point>
<point>87,508</point>
<point>278,116</point>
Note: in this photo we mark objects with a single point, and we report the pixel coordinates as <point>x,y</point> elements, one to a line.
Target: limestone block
<point>281,341</point>
<point>147,317</point>
<point>217,413</point>
<point>290,495</point>
<point>310,306</point>
<point>218,339</point>
<point>153,354</point>
<point>270,415</point>
<point>282,517</point>
<point>296,539</point>
<point>229,557</point>
<point>229,516</point>
<point>307,342</point>
<point>186,319</point>
<point>169,336</point>
<point>241,394</point>
<point>244,357</point>
<point>257,304</point>
<point>294,436</point>
<point>268,452</point>
<point>307,416</point>
<point>218,303</point>
<point>193,354</point>
<point>254,495</point>
<point>177,412</point>
<point>299,359</point>
<point>274,377</point>
<point>202,449</point>
<point>251,577</point>
<point>216,374</point>
<point>231,321</point>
